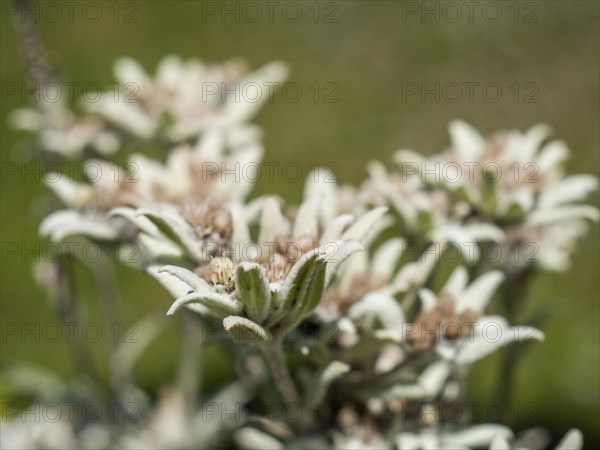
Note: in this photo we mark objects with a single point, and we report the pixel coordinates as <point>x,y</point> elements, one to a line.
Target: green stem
<point>514,295</point>
<point>273,351</point>
<point>70,313</point>
<point>190,368</point>
<point>110,311</point>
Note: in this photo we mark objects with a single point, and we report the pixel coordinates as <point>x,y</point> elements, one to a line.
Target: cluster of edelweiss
<point>336,293</point>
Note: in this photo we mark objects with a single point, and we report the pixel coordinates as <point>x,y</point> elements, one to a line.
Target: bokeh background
<point>369,50</point>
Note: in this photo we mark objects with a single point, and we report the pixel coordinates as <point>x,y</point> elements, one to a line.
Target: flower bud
<point>221,270</point>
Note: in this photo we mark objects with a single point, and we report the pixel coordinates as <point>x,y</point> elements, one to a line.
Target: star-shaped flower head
<point>191,184</point>
<point>453,322</point>
<point>516,182</point>
<point>425,214</point>
<point>61,131</point>
<point>451,326</point>
<point>266,287</point>
<point>184,98</point>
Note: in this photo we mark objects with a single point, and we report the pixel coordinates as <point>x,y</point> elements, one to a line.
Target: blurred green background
<point>370,51</point>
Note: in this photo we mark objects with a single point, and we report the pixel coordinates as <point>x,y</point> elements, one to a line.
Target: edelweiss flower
<point>365,298</point>
<point>185,98</point>
<point>363,276</point>
<point>169,425</point>
<point>438,438</point>
<point>426,214</point>
<point>336,199</point>
<point>453,325</point>
<point>33,434</point>
<point>516,183</point>
<point>267,287</point>
<point>447,317</point>
<point>573,440</point>
<point>60,131</point>
<point>453,322</point>
<point>90,203</point>
<point>457,306</point>
<point>190,183</point>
